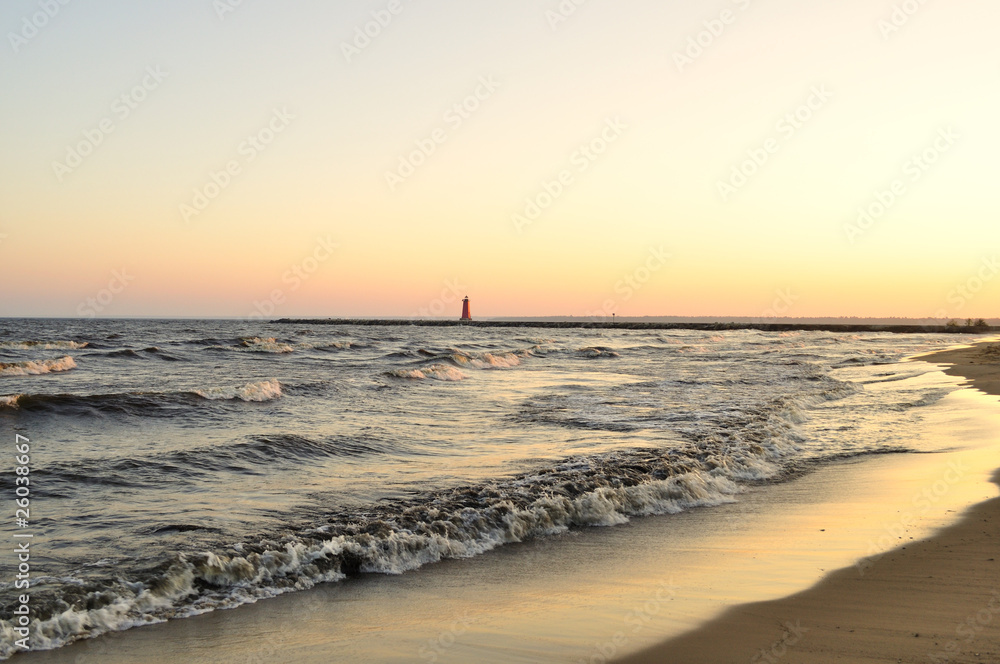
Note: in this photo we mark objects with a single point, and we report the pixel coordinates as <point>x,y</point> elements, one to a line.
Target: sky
<point>228,158</point>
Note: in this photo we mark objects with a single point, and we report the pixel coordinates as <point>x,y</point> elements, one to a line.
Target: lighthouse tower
<point>465,309</point>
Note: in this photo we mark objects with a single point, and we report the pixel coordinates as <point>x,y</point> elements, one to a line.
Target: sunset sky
<point>385,175</point>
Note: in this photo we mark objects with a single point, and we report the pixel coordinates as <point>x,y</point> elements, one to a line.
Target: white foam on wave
<point>431,532</point>
<point>268,345</point>
<point>9,401</point>
<point>239,578</point>
<point>267,390</point>
<point>43,345</point>
<point>750,444</point>
<point>433,372</point>
<point>491,361</point>
<point>37,367</point>
<point>496,360</point>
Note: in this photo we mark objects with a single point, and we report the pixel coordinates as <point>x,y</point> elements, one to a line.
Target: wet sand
<point>937,600</point>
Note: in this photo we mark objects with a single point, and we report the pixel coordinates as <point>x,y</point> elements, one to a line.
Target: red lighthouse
<point>465,309</point>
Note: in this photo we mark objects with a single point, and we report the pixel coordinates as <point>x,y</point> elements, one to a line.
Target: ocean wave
<point>433,372</point>
<point>707,468</point>
<point>487,360</point>
<point>43,345</point>
<point>595,352</point>
<point>267,390</point>
<point>707,427</point>
<point>253,345</point>
<point>447,364</point>
<point>268,345</point>
<point>37,367</point>
<point>124,353</point>
<point>873,358</point>
<point>90,404</point>
<point>333,345</point>
<point>131,354</point>
<point>248,455</point>
<point>461,523</point>
<point>161,354</point>
<point>166,404</point>
<point>707,465</point>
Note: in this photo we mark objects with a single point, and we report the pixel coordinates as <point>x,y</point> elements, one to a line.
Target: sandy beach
<point>937,600</point>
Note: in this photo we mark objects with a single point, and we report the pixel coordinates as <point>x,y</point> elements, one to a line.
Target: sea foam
<point>267,390</point>
<point>37,367</point>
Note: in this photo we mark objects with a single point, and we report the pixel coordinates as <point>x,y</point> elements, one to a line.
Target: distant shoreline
<point>629,325</point>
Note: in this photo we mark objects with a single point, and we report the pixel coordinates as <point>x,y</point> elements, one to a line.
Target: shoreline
<point>587,595</point>
<point>936,600</point>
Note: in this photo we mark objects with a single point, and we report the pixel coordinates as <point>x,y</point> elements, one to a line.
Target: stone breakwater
<point>629,325</point>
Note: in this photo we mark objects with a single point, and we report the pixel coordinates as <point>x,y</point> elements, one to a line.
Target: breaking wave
<point>37,367</point>
<point>434,372</point>
<point>184,466</point>
<point>389,540</point>
<point>348,468</point>
<point>141,403</point>
<point>43,345</point>
<point>255,345</point>
<point>130,354</point>
<point>267,390</point>
<point>447,365</point>
<point>395,537</point>
<point>596,352</point>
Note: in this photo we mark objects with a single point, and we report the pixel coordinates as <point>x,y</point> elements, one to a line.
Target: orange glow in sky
<point>372,158</point>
